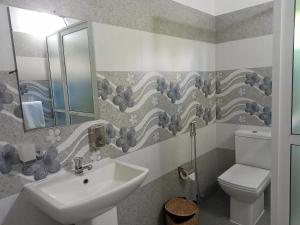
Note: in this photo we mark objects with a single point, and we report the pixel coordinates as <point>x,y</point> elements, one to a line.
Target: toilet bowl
<point>246,181</point>
<point>245,185</point>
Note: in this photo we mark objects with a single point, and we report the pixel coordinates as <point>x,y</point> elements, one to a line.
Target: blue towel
<point>33,114</point>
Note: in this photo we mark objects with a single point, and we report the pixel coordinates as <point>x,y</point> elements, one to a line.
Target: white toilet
<point>246,181</point>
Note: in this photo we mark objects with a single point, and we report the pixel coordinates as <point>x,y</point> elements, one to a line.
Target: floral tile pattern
<point>139,109</point>
<point>131,105</point>
<point>154,102</point>
<point>244,96</point>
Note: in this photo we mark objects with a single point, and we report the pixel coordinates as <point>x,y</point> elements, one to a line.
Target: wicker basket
<point>180,211</point>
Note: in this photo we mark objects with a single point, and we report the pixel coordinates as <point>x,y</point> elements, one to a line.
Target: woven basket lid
<point>181,207</point>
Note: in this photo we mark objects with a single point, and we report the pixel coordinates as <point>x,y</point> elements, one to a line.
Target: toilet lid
<point>245,177</point>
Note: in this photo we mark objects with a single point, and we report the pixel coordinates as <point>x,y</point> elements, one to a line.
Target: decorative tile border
<point>244,96</point>
<point>142,108</point>
<point>152,106</point>
<point>138,109</point>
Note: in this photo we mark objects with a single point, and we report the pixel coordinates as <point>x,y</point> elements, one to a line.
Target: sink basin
<point>70,198</point>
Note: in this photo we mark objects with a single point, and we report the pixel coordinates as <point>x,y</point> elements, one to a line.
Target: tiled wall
<point>244,86</point>
<point>244,96</point>
<point>146,102</point>
<point>164,17</point>
<point>237,54</point>
<point>244,68</point>
<point>155,105</point>
<point>152,106</point>
<point>165,62</point>
<point>245,23</point>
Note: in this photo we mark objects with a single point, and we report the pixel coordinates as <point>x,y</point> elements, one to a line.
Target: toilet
<point>246,181</point>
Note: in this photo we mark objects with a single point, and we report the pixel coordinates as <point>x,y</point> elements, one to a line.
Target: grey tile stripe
<point>164,17</point>
<point>246,23</point>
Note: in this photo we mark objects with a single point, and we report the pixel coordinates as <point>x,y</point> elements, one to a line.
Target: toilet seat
<point>245,178</point>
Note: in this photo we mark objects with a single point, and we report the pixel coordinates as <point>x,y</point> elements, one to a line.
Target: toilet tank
<point>253,148</point>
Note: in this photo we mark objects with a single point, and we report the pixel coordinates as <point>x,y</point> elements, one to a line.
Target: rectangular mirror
<point>55,69</point>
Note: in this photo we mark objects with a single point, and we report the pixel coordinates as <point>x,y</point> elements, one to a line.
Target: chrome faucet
<point>79,168</point>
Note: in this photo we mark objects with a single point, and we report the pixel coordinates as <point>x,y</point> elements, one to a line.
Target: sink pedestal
<point>110,217</point>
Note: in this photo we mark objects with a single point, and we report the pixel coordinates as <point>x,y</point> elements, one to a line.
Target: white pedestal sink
<point>72,199</point>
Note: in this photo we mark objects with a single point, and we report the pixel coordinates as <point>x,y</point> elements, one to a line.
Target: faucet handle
<point>78,162</point>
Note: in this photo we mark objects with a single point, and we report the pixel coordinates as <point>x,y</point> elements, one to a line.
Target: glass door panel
<point>296,73</point>
<point>78,71</point>
<point>55,72</point>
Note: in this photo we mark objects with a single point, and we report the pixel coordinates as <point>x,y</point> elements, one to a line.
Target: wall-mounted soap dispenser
<point>26,152</point>
<point>97,135</point>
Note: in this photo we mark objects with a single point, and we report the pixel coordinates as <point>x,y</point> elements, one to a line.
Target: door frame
<point>283,48</point>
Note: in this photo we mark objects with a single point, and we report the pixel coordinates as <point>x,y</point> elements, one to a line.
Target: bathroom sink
<point>70,198</point>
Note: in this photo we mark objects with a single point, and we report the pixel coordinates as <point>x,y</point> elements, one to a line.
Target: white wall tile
<point>166,53</point>
<point>122,49</point>
<point>6,51</point>
<point>246,53</point>
<point>32,68</point>
<point>168,155</point>
<point>116,48</point>
<point>225,135</point>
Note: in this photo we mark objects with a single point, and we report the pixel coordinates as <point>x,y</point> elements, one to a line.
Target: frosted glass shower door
<point>78,71</point>
<point>55,72</point>
<point>73,77</point>
<point>56,79</point>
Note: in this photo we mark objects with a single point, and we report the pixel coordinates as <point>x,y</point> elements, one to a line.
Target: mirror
<point>55,69</point>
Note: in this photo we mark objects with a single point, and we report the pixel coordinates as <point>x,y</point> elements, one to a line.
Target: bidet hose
<point>193,134</point>
<point>196,171</point>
